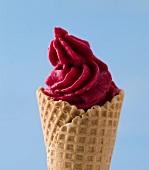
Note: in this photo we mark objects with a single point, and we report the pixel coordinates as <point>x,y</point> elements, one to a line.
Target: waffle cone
<point>79,140</point>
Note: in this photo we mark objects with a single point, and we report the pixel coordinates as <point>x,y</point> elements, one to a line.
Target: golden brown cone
<point>54,114</point>
<point>79,140</point>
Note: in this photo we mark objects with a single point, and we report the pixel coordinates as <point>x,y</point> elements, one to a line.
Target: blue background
<point>118,32</point>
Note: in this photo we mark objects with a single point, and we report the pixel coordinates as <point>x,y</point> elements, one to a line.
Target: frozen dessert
<point>78,76</point>
<point>79,108</point>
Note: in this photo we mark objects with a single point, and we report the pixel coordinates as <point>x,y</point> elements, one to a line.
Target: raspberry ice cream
<point>80,108</point>
<point>78,77</point>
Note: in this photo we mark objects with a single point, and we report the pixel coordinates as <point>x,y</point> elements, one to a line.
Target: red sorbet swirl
<point>78,77</point>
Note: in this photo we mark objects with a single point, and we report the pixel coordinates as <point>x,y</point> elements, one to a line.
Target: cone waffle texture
<point>79,140</point>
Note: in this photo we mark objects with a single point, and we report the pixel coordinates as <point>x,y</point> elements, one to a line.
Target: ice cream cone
<point>54,114</point>
<point>79,140</point>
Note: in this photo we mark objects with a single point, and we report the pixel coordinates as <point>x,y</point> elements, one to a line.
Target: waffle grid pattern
<point>54,114</point>
<point>87,142</point>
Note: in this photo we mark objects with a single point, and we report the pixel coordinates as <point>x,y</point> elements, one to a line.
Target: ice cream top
<point>78,76</point>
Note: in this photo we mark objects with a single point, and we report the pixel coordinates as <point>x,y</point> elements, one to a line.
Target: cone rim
<point>120,94</point>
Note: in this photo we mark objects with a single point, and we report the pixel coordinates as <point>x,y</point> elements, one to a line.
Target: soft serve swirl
<point>78,76</point>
